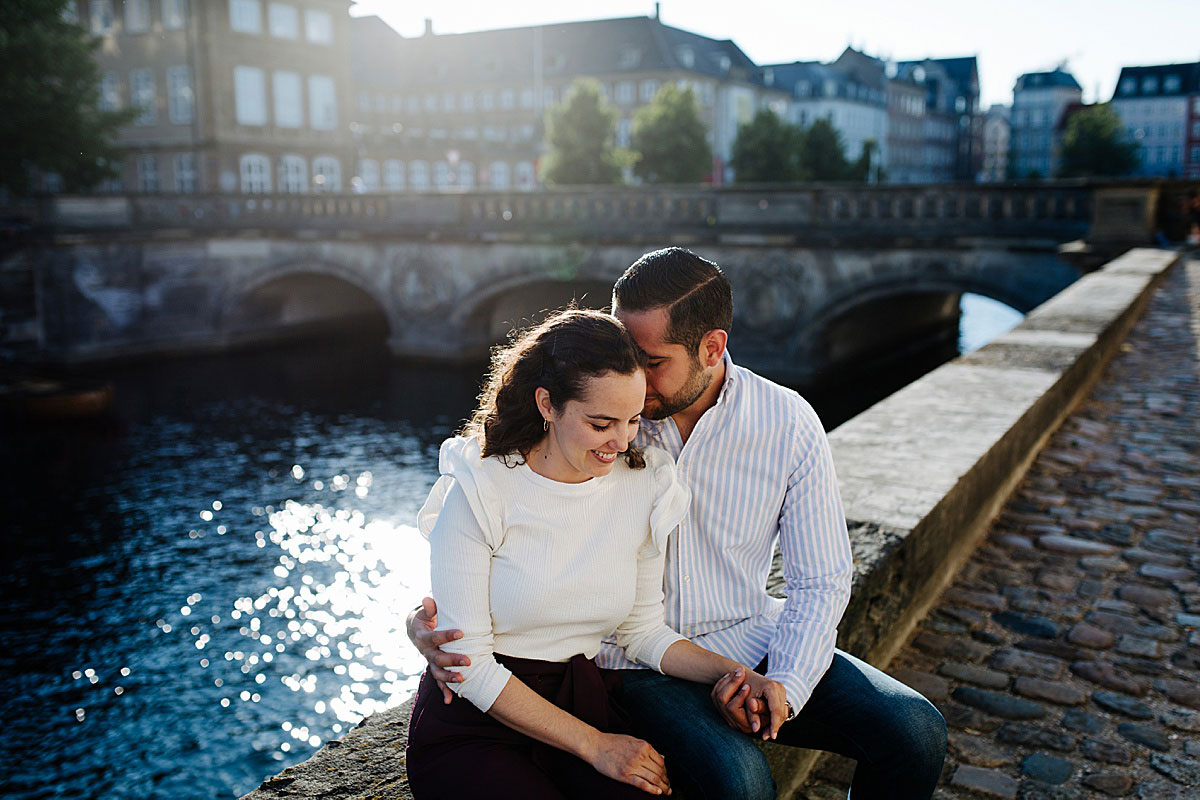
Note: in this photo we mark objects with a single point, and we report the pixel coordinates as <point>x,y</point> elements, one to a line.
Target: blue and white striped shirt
<point>760,471</point>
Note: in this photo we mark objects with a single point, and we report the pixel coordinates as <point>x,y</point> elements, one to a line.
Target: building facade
<point>1156,104</point>
<point>953,127</point>
<point>1039,100</point>
<point>996,133</point>
<point>439,112</point>
<point>236,95</point>
<point>906,130</point>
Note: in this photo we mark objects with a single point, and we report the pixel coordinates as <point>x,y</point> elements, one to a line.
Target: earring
<point>545,424</point>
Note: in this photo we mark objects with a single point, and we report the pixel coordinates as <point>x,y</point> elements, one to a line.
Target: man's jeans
<point>897,737</point>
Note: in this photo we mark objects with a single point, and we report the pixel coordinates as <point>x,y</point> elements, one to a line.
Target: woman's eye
<point>600,427</point>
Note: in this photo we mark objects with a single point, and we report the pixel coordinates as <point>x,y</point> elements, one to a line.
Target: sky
<point>1095,37</point>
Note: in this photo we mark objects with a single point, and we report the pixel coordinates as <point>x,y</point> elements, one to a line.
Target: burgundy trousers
<point>458,752</point>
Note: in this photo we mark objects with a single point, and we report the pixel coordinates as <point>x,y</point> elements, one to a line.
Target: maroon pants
<point>458,752</point>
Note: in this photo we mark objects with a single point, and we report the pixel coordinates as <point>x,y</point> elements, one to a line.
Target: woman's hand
<point>422,630</point>
<point>630,760</point>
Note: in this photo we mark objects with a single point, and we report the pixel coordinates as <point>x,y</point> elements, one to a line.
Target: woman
<point>547,533</point>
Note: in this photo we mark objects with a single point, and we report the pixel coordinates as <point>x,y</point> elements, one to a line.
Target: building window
<point>293,174</point>
<point>245,16</point>
<point>1171,84</point>
<point>625,92</point>
<point>142,94</point>
<point>318,26</point>
<point>147,173</point>
<point>256,173</point>
<point>525,176</point>
<point>449,100</point>
<point>629,58</point>
<point>414,104</point>
<point>322,102</point>
<point>327,174</point>
<point>180,101</point>
<point>289,105</point>
<point>1150,85</point>
<point>548,97</point>
<point>487,99</point>
<point>468,101</point>
<point>185,172</point>
<point>137,16</point>
<point>368,172</point>
<point>418,176</point>
<point>174,14</point>
<point>648,90</point>
<point>381,103</point>
<point>431,102</point>
<point>102,17</point>
<point>499,174</point>
<point>250,95</point>
<point>110,92</point>
<point>527,98</point>
<point>466,174</point>
<point>441,175</point>
<point>687,57</point>
<point>283,21</point>
<point>393,175</point>
<point>70,12</point>
<point>508,99</point>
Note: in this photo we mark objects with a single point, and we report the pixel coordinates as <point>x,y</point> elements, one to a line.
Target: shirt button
<point>687,578</point>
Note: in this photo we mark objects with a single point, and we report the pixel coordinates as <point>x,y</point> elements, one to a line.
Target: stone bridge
<point>823,276</point>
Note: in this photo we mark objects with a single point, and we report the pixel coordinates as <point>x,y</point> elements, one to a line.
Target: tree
<point>767,150</point>
<point>580,133</point>
<point>823,155</point>
<point>670,140</point>
<point>50,84</point>
<point>1095,144</point>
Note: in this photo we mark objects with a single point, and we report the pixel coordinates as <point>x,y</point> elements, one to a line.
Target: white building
<point>1154,102</point>
<point>1039,100</point>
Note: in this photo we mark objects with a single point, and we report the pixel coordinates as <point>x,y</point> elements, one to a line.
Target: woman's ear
<point>541,398</point>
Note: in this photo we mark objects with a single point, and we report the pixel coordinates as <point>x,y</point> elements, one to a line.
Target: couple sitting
<point>605,449</point>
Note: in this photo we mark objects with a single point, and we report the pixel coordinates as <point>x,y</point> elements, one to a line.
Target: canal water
<point>201,590</point>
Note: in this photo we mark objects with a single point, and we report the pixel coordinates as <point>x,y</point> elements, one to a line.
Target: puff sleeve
<point>462,520</point>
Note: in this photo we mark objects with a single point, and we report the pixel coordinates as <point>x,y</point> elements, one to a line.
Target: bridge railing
<point>813,212</point>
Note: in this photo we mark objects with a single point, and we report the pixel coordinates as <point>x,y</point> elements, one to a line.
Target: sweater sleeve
<point>460,571</point>
<point>644,634</point>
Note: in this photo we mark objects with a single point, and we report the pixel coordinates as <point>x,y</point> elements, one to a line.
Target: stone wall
<point>921,475</point>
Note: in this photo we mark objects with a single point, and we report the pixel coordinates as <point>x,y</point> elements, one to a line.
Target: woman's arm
<point>692,662</point>
<point>622,758</point>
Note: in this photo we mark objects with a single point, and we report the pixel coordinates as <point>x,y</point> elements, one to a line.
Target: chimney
<point>428,26</point>
<point>657,9</point>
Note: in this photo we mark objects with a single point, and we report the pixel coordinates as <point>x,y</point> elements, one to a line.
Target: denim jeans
<point>897,737</point>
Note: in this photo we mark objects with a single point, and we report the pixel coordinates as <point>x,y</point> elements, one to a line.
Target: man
<point>757,461</point>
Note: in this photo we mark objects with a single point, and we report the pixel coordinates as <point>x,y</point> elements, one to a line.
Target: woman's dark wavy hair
<point>559,355</point>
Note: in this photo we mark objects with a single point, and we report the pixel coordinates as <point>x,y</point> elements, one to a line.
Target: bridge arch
<point>496,310</point>
<point>306,297</point>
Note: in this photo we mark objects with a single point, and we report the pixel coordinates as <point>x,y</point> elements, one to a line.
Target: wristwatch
<point>791,712</point>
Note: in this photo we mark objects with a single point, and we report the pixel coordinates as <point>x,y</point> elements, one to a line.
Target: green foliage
<point>1095,144</point>
<point>580,134</point>
<point>50,84</point>
<point>767,150</point>
<point>823,157</point>
<point>670,140</point>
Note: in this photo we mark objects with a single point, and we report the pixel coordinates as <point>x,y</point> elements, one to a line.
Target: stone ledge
<point>922,473</point>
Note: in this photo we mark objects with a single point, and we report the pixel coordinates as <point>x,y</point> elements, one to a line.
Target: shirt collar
<point>727,394</point>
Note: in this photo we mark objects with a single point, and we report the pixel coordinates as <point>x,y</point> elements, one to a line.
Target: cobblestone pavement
<point>1066,656</point>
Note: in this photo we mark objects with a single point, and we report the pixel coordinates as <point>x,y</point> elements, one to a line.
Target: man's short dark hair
<point>694,290</point>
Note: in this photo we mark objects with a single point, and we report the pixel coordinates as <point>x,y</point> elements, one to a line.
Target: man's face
<point>675,379</point>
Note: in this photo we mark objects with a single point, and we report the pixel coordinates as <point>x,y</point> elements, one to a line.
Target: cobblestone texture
<point>1084,601</point>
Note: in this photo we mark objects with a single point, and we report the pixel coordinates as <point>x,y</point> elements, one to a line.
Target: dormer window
<point>725,63</point>
<point>686,56</point>
<point>629,58</point>
<point>1171,84</point>
<point>1150,85</point>
<point>1129,86</point>
<point>769,76</point>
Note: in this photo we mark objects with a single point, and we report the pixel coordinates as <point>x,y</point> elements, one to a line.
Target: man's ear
<point>712,347</point>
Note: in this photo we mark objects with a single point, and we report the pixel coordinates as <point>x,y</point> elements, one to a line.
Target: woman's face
<point>588,434</point>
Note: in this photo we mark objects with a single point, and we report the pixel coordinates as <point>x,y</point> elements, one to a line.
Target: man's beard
<point>697,381</point>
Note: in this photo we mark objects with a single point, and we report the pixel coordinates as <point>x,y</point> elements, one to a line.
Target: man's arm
<point>817,565</point>
<point>421,624</point>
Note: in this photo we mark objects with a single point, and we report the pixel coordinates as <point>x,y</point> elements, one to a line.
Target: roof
<point>591,47</point>
<point>849,78</point>
<point>1047,80</point>
<point>1162,80</point>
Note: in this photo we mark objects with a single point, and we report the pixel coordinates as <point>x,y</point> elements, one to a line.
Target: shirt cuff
<point>482,682</point>
<point>651,651</point>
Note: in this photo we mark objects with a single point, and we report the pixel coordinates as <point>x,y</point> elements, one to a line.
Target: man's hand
<point>421,630</point>
<point>751,703</point>
<point>729,695</point>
